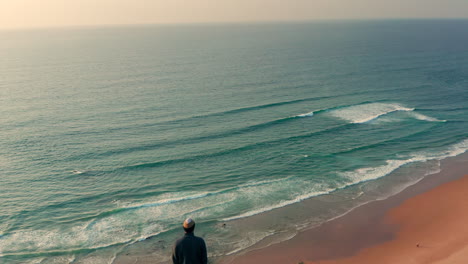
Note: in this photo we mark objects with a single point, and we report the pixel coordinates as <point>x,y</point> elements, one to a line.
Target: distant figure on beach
<point>189,249</point>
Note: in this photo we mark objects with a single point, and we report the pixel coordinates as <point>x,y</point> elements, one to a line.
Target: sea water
<point>110,137</point>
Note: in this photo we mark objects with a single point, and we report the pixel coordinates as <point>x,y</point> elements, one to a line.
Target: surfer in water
<point>189,249</point>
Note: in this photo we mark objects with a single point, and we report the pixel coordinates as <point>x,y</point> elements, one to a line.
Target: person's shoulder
<point>178,241</point>
<point>200,239</point>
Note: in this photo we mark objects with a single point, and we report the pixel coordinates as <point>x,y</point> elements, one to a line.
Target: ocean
<point>112,136</point>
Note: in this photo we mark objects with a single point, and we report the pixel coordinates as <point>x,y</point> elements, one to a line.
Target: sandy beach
<point>426,223</point>
<point>430,228</point>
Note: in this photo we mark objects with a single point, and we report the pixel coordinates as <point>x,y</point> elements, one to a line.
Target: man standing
<point>189,249</point>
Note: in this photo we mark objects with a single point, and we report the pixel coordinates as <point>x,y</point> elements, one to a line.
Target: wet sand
<point>426,223</point>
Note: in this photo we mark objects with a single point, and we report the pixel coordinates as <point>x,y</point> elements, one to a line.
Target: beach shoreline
<point>361,229</point>
<point>358,235</point>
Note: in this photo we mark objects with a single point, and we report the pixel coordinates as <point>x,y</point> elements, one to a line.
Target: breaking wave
<point>366,112</point>
<point>306,114</point>
<point>365,174</point>
<point>362,113</point>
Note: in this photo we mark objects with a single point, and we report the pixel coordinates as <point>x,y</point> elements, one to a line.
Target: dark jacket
<point>189,250</point>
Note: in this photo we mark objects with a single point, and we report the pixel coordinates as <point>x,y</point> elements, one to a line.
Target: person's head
<point>188,225</point>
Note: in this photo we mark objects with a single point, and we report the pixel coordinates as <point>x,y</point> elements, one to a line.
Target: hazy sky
<point>44,13</point>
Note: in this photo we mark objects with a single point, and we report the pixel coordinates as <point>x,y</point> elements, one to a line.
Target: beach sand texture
<point>431,229</point>
<point>427,228</point>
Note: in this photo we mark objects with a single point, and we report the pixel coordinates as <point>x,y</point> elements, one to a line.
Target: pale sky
<point>59,13</point>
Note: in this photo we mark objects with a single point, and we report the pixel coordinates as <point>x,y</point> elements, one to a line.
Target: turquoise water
<point>113,135</point>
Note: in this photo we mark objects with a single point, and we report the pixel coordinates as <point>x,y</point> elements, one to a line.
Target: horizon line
<point>213,23</point>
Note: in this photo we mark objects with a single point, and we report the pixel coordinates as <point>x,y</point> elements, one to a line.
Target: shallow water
<point>113,135</point>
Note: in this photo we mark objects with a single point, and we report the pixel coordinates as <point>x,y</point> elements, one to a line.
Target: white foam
<point>452,151</point>
<point>366,112</point>
<point>101,233</point>
<point>372,173</point>
<point>362,175</point>
<point>426,118</point>
<point>34,261</point>
<point>279,205</point>
<point>357,176</point>
<point>250,239</point>
<point>173,198</point>
<point>306,114</point>
<point>263,182</point>
<point>169,200</point>
<point>97,259</point>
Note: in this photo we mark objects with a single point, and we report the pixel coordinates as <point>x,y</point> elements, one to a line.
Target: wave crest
<point>373,173</point>
<point>362,113</point>
<point>426,118</point>
<point>306,114</point>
